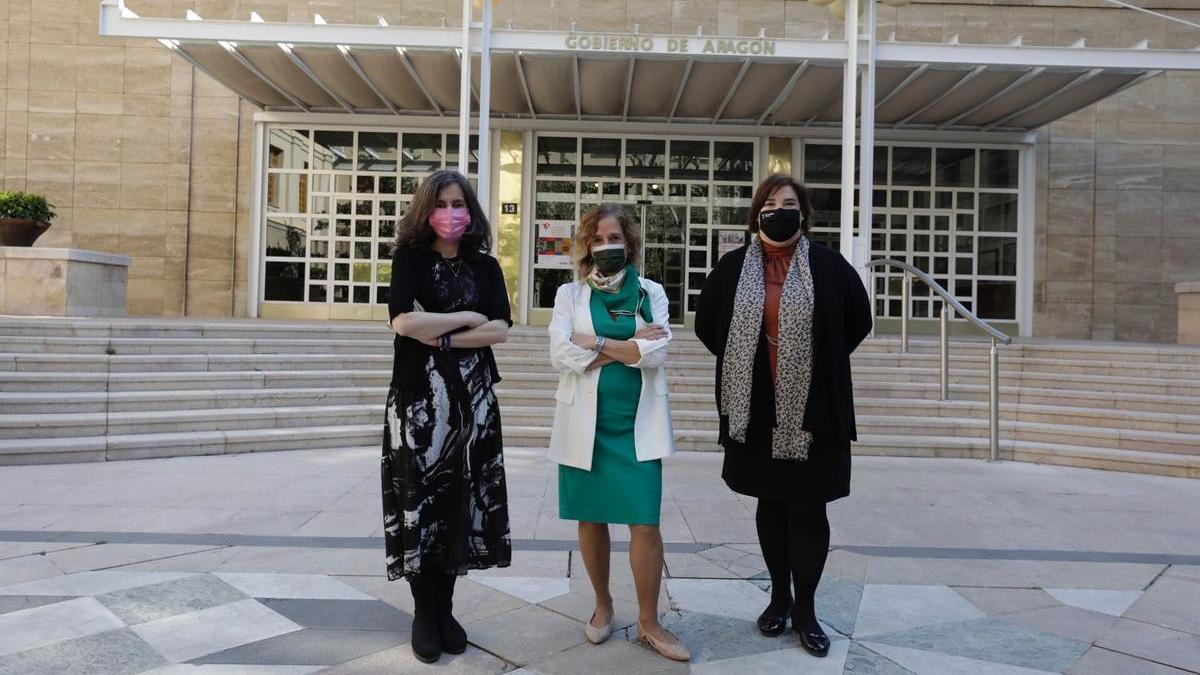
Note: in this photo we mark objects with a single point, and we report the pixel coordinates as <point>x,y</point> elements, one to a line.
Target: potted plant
<point>23,218</point>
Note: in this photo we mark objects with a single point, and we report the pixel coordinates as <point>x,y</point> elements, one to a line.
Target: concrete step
<point>962,369</point>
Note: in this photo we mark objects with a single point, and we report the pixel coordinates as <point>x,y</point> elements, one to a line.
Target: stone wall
<point>145,157</point>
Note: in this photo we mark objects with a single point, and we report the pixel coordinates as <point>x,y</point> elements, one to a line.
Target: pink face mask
<point>450,223</point>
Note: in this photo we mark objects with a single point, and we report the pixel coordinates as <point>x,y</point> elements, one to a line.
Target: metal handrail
<point>949,302</point>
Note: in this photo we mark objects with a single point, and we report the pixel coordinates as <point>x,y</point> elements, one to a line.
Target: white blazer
<point>574,432</point>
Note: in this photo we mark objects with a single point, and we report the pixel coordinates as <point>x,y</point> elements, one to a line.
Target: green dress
<point>619,488</point>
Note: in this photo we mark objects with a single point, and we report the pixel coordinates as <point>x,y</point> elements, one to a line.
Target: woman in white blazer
<point>612,419</point>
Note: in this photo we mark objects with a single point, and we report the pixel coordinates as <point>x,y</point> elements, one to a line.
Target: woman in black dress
<point>445,507</point>
<point>782,316</point>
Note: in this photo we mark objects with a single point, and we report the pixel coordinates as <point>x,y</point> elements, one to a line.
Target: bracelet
<point>599,346</point>
<point>445,340</point>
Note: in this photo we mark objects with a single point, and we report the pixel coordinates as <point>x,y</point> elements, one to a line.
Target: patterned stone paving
<point>130,600</point>
<point>114,622</point>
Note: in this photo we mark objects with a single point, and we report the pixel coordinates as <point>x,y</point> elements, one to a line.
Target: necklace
<point>454,265</point>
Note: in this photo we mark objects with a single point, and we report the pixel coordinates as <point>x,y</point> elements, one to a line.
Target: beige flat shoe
<point>675,652</point>
<point>597,634</point>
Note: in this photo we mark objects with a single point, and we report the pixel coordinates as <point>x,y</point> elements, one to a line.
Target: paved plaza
<point>273,563</point>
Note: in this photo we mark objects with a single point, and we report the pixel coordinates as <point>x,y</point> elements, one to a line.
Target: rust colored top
<point>776,261</point>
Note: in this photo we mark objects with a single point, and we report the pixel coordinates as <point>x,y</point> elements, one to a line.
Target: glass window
<point>452,155</point>
<point>287,192</point>
<point>998,168</point>
<point>556,156</point>
<point>822,163</point>
<point>333,150</point>
<point>601,157</point>
<point>289,149</point>
<point>956,167</point>
<point>733,160</point>
<point>911,166</point>
<point>422,152</point>
<point>736,195</point>
<point>645,158</point>
<point>555,210</point>
<point>689,160</point>
<point>997,212</point>
<point>546,283</point>
<point>997,256</point>
<point>996,299</point>
<point>376,151</point>
<point>286,237</point>
<point>284,281</point>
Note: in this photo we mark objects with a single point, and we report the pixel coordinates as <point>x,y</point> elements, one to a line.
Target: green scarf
<point>627,297</point>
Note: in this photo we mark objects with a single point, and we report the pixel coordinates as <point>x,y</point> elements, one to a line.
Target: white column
<point>254,266</point>
<point>464,92</point>
<point>866,173</point>
<point>485,107</point>
<point>849,112</point>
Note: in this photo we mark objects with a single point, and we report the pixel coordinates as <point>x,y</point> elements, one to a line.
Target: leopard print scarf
<point>794,368</point>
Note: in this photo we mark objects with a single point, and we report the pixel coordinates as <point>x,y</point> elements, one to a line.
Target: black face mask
<point>779,225</point>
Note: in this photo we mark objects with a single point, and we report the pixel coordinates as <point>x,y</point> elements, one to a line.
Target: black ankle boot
<point>773,621</point>
<point>812,637</point>
<point>454,638</point>
<point>426,642</point>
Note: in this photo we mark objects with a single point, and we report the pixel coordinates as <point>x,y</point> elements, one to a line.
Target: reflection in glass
<point>376,151</point>
<point>333,150</point>
<point>284,281</point>
<point>287,192</point>
<point>956,167</point>
<point>997,256</point>
<point>996,299</point>
<point>289,149</point>
<point>452,155</point>
<point>546,283</point>
<point>689,159</point>
<point>317,293</point>
<point>822,163</point>
<point>997,212</point>
<point>733,160</point>
<point>556,156</point>
<point>644,158</point>
<point>998,168</point>
<point>601,157</point>
<point>422,153</point>
<point>286,237</point>
<point>911,166</point>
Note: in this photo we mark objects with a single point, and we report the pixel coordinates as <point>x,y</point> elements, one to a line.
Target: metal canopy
<point>629,77</point>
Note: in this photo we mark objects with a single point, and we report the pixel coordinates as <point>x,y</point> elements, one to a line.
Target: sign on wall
<point>554,243</point>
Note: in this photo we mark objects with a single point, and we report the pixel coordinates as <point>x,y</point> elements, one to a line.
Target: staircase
<point>76,390</point>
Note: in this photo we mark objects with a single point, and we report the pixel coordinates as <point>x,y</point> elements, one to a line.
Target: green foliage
<point>25,206</point>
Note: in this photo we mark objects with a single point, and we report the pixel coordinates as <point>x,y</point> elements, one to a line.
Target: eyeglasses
<point>614,313</point>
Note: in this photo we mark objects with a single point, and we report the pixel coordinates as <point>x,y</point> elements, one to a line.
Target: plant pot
<point>20,231</point>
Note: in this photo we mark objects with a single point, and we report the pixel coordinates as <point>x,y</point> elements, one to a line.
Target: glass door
<point>663,230</point>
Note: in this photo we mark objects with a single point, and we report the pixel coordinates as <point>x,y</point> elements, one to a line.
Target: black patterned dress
<point>445,504</point>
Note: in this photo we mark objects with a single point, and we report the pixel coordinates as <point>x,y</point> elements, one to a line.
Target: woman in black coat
<point>782,315</point>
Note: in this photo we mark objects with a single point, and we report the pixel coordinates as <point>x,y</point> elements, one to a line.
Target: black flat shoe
<point>772,622</point>
<point>816,644</point>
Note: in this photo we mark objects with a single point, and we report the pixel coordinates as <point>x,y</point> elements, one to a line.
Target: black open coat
<point>841,320</point>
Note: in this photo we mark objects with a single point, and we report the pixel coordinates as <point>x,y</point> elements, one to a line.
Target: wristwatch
<point>599,346</point>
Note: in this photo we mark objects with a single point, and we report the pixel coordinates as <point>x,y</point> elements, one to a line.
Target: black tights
<point>795,542</point>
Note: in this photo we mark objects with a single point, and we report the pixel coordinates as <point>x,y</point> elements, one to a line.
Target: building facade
<point>1078,230</point>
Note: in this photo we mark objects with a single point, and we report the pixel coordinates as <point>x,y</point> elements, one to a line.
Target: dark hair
<point>767,188</point>
<point>581,244</point>
<point>414,230</point>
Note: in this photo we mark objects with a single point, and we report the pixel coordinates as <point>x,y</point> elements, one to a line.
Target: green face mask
<point>609,258</point>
